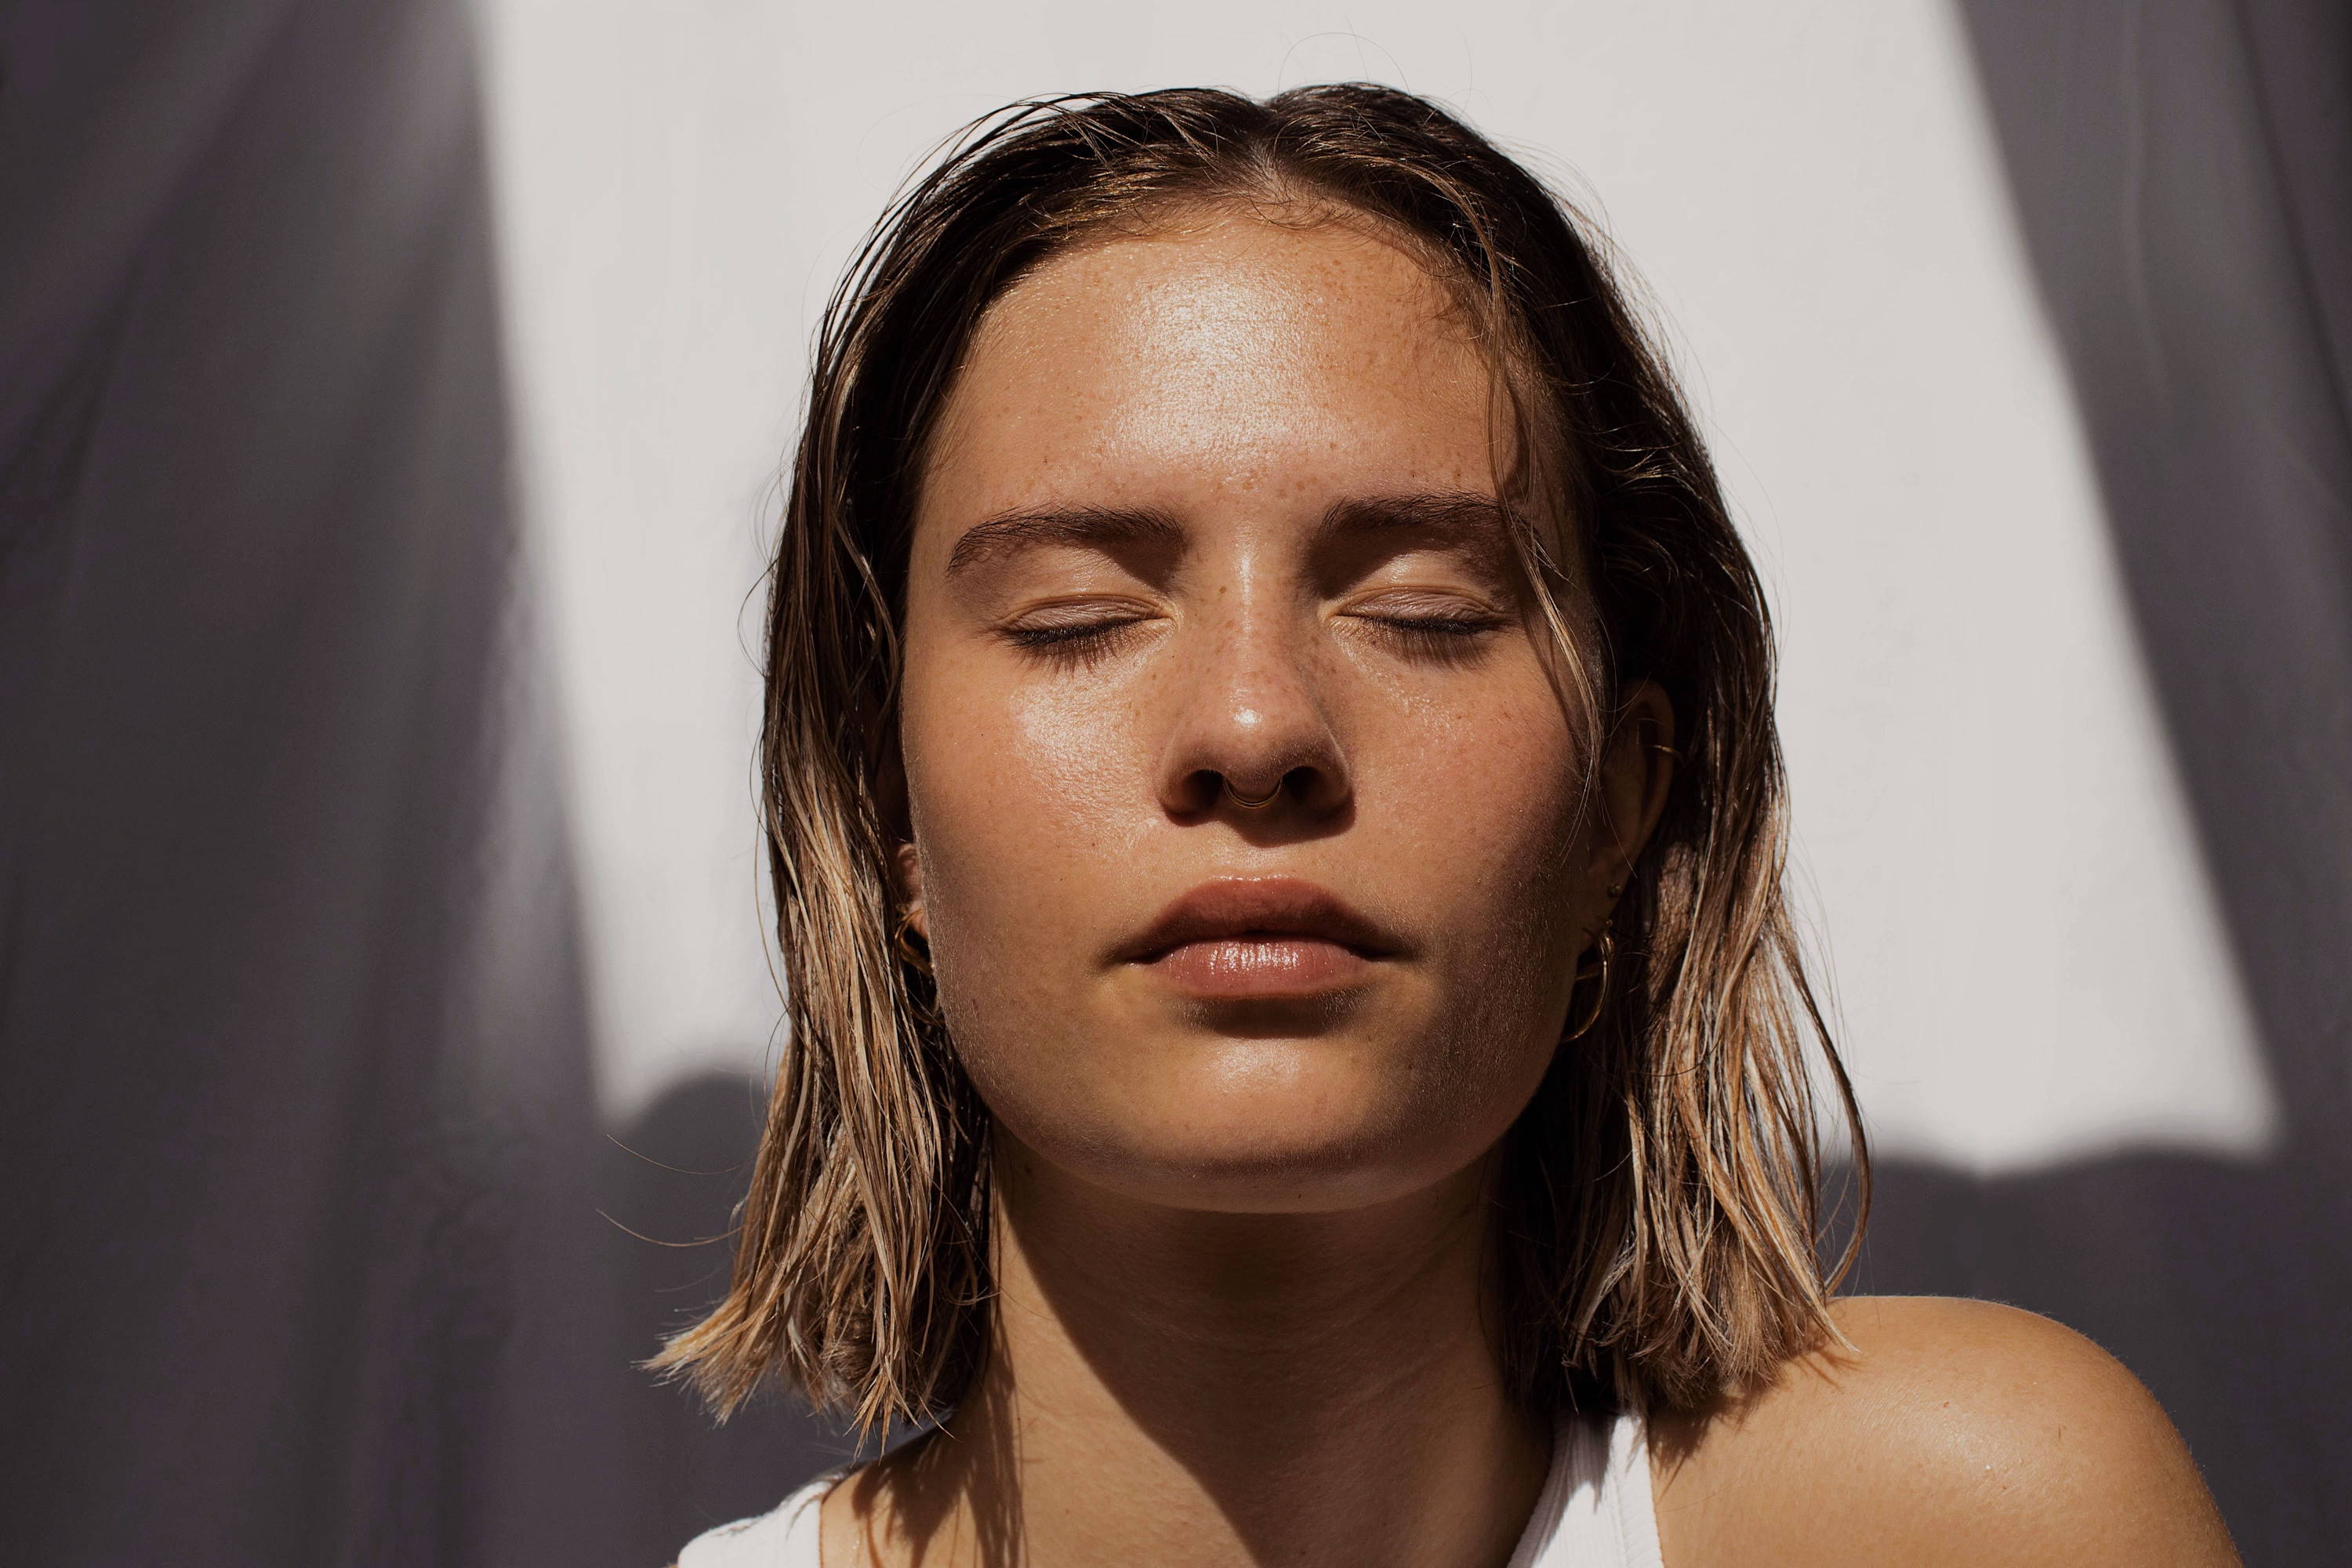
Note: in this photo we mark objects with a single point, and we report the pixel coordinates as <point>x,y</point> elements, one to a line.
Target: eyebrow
<point>1463,517</point>
<point>1460,516</point>
<point>1084,527</point>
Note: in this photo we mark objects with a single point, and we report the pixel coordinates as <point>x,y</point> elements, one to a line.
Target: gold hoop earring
<point>1606,946</point>
<point>914,957</point>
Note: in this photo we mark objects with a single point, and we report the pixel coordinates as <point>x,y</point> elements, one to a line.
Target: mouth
<point>1260,937</point>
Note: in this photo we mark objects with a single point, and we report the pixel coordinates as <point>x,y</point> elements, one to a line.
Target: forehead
<point>1218,356</point>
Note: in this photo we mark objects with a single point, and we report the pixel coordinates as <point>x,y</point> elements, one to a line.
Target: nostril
<point>1245,771</point>
<point>1202,793</point>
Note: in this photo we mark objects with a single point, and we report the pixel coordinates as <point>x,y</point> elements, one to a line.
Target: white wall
<point>1991,836</point>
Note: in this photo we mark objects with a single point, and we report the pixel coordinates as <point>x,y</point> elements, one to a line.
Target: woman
<point>1298,1052</point>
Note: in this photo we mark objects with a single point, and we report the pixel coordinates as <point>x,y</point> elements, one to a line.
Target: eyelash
<point>1438,639</point>
<point>1447,638</point>
<point>1055,636</point>
<point>1435,626</point>
<point>1071,642</point>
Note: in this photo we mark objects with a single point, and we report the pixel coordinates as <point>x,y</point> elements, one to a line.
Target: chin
<point>1267,1127</point>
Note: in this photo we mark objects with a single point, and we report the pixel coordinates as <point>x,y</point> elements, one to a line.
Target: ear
<point>908,867</point>
<point>1637,769</point>
<point>890,803</point>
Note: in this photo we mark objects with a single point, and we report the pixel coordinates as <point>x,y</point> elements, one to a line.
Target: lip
<point>1260,936</point>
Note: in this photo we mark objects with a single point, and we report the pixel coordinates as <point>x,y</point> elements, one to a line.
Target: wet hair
<point>1656,1207</point>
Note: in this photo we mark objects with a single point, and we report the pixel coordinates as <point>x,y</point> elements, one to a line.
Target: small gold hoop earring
<point>903,939</point>
<point>1606,946</point>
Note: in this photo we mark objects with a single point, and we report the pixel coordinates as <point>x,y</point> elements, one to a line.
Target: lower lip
<point>1260,966</point>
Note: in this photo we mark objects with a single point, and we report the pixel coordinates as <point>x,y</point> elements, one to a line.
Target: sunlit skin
<point>1210,519</point>
<point>1307,600</point>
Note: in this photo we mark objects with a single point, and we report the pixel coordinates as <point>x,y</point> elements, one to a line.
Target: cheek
<point>1487,828</point>
<point>1480,801</point>
<point>1029,807</point>
<point>1482,824</point>
<point>1022,801</point>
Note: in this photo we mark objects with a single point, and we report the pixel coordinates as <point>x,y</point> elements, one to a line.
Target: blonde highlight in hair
<point>1657,1205</point>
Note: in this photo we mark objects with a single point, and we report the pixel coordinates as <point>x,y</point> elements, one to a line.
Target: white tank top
<point>1595,1511</point>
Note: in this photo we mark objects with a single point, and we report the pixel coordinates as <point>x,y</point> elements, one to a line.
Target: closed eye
<point>1075,634</point>
<point>1436,627</point>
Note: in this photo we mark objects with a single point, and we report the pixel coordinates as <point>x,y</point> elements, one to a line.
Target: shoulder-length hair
<point>1656,1205</point>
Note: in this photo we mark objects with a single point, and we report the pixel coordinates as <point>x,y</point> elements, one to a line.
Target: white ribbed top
<point>1594,1511</point>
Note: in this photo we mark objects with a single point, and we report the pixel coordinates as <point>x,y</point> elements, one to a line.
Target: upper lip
<point>1259,906</point>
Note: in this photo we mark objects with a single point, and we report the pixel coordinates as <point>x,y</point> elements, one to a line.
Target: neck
<point>1209,1389</point>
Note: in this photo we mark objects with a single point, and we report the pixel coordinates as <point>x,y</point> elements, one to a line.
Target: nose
<point>1250,730</point>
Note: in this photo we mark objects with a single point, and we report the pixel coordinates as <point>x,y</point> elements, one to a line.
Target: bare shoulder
<point>1946,1431</point>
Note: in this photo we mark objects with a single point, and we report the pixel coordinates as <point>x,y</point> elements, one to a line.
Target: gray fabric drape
<point>292,1083</point>
<point>305,1257</point>
<point>2182,171</point>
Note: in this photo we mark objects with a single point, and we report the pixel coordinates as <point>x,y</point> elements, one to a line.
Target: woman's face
<point>1210,517</point>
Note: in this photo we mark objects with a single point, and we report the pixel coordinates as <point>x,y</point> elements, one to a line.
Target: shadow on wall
<point>2182,171</point>
<point>673,1178</point>
<point>2219,1285</point>
<point>297,1094</point>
